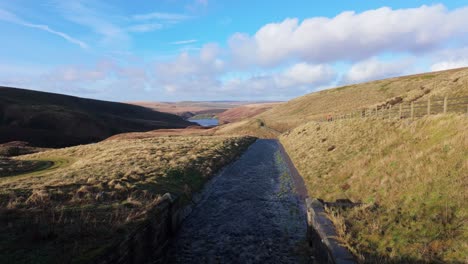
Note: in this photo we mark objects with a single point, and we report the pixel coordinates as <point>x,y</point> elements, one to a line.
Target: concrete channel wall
<point>150,240</point>
<point>321,235</point>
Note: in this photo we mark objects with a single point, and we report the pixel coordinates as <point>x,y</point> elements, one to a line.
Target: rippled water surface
<point>249,213</point>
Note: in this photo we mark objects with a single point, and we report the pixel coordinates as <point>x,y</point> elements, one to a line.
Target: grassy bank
<point>252,127</point>
<point>412,176</point>
<point>99,192</point>
<point>350,98</point>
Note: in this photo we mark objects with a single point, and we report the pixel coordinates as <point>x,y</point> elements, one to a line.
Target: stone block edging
<point>321,234</point>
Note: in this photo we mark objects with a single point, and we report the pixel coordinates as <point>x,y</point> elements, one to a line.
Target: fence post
<point>445,104</point>
<point>401,109</point>
<point>429,106</point>
<point>412,110</point>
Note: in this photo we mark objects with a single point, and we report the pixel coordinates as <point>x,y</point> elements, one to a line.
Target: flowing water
<point>249,213</point>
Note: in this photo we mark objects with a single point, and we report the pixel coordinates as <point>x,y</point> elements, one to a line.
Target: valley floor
<point>250,213</point>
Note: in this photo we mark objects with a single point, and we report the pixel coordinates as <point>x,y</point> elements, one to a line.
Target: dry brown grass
<point>243,112</point>
<point>94,194</point>
<point>189,131</point>
<point>251,127</point>
<point>10,166</point>
<point>346,99</point>
<point>118,168</point>
<point>414,173</point>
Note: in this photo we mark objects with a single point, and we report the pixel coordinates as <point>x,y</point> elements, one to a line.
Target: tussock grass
<point>156,165</point>
<point>252,127</point>
<point>94,194</point>
<point>412,176</point>
<point>346,99</point>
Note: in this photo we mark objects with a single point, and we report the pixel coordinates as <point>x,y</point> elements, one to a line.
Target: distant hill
<point>189,109</point>
<point>244,111</point>
<point>55,120</point>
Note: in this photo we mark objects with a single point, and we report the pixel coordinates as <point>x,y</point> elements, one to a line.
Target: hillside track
<point>249,213</point>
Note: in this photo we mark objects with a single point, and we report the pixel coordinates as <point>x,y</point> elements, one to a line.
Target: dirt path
<point>249,213</point>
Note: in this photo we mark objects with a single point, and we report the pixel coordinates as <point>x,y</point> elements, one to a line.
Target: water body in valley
<point>250,212</point>
<point>206,122</point>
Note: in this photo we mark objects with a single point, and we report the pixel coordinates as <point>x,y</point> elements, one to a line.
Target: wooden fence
<point>411,110</point>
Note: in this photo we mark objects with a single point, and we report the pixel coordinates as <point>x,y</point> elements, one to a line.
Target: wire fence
<point>412,110</point>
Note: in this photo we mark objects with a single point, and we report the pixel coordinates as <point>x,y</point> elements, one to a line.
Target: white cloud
<point>106,79</point>
<point>161,16</point>
<point>446,65</point>
<point>184,42</point>
<point>306,74</point>
<point>303,50</point>
<point>373,69</point>
<point>450,59</point>
<point>199,76</point>
<point>191,72</point>
<point>12,18</point>
<point>350,35</point>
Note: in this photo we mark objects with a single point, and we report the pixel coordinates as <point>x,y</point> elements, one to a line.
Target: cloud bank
<point>351,36</point>
<point>280,61</point>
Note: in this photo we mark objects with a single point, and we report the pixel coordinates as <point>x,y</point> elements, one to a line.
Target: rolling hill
<point>210,109</point>
<point>244,111</point>
<point>350,98</point>
<point>55,120</point>
<point>191,109</point>
<point>410,175</point>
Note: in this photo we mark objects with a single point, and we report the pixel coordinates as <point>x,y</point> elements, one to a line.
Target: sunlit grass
<point>347,99</point>
<point>122,166</point>
<point>414,174</point>
<point>92,195</point>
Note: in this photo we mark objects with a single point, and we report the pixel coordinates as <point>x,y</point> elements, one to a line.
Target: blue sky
<point>171,50</point>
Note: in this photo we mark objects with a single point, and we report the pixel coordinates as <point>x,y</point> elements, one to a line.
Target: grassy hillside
<point>251,126</point>
<point>412,176</point>
<point>54,120</point>
<point>74,202</point>
<point>354,97</point>
<point>244,112</point>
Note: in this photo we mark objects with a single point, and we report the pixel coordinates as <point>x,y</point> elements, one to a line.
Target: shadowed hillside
<point>350,98</point>
<point>54,120</point>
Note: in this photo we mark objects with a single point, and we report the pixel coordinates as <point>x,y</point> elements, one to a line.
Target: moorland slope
<point>74,203</point>
<point>410,175</point>
<point>55,120</point>
<point>243,112</point>
<point>350,98</point>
